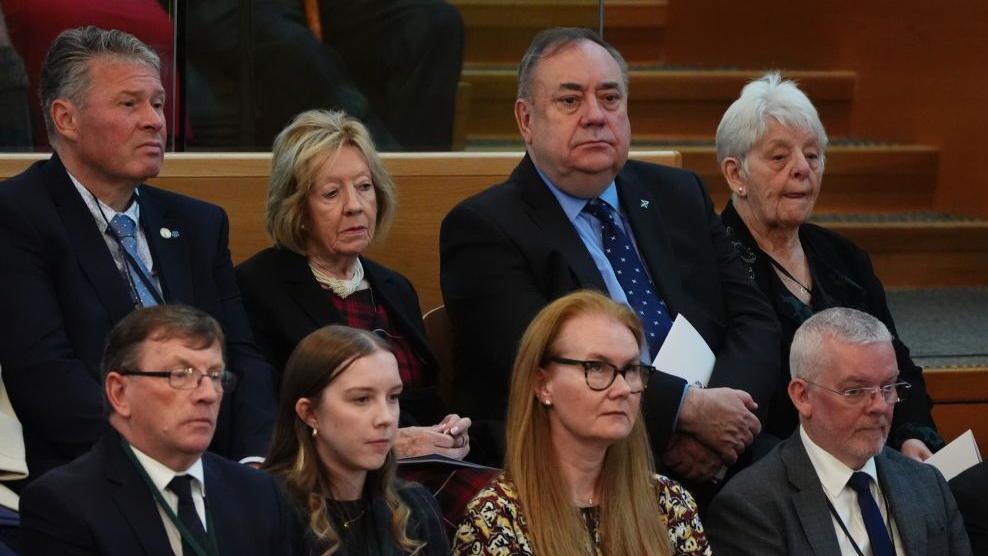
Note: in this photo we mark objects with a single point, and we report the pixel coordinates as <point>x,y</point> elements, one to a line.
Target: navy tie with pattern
<point>125,227</point>
<point>631,275</point>
<point>878,534</point>
<point>181,485</point>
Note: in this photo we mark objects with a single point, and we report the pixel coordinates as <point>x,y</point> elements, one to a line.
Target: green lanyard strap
<point>187,537</point>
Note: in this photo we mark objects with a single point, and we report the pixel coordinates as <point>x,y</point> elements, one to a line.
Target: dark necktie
<point>125,227</point>
<point>631,275</point>
<point>181,485</point>
<point>878,535</point>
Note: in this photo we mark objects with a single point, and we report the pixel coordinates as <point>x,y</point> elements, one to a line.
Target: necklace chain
<point>342,288</point>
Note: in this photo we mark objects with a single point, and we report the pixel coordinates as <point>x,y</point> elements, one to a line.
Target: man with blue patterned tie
<point>834,487</point>
<point>576,214</point>
<point>83,241</point>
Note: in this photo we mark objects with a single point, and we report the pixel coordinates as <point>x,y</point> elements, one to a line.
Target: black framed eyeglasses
<point>863,395</point>
<point>189,378</point>
<point>601,374</point>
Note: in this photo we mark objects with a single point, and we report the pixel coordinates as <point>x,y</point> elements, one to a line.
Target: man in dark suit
<point>834,487</point>
<point>148,486</point>
<point>83,242</point>
<point>970,488</point>
<point>510,250</point>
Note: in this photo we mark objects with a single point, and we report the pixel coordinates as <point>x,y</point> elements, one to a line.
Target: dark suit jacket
<point>777,506</point>
<point>842,277</point>
<point>285,304</point>
<point>970,488</point>
<point>510,250</point>
<point>99,504</point>
<point>62,293</point>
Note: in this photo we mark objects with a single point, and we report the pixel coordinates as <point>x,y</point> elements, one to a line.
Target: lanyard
<point>187,537</point>
<point>130,262</point>
<point>854,545</point>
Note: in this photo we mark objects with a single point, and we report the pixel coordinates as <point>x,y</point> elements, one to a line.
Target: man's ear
<point>65,116</point>
<point>117,392</point>
<point>731,168</point>
<point>306,412</point>
<point>523,115</point>
<point>799,394</point>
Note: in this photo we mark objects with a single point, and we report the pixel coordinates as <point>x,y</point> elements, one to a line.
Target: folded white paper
<point>685,354</point>
<point>956,457</point>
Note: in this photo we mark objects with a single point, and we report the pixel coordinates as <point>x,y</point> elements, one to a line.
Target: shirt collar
<point>161,474</point>
<point>573,205</point>
<point>832,472</point>
<point>97,207</point>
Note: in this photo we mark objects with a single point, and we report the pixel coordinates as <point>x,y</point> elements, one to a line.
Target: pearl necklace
<point>342,288</point>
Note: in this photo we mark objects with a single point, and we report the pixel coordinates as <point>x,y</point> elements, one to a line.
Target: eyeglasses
<point>189,379</point>
<point>891,393</point>
<point>601,374</point>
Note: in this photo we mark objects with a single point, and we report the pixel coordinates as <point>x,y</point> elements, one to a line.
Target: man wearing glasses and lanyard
<point>149,486</point>
<point>834,487</point>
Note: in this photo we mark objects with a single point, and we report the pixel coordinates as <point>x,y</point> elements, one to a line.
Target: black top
<point>842,277</point>
<point>369,525</point>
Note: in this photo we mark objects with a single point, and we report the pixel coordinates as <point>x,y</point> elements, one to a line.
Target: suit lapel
<point>133,498</point>
<point>644,214</point>
<point>808,498</point>
<point>903,503</point>
<point>305,291</point>
<point>88,245</point>
<point>170,254</point>
<point>225,519</point>
<point>558,231</point>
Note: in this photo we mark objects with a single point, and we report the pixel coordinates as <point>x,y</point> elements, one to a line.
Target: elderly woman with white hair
<point>772,148</point>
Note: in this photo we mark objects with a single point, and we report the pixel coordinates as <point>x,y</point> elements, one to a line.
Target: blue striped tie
<point>124,227</point>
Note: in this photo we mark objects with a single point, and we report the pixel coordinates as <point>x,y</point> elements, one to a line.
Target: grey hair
<point>65,72</point>
<point>747,119</point>
<point>807,356</point>
<point>552,40</point>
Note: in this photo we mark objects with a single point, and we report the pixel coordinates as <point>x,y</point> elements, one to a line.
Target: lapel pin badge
<point>168,234</point>
<point>644,203</point>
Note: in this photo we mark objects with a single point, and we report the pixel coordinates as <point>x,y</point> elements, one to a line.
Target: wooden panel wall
<point>961,402</point>
<point>920,68</point>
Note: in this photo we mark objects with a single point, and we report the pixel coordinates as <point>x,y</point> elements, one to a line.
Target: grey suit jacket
<point>777,506</point>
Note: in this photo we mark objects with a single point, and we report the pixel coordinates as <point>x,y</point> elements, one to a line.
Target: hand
<point>437,439</point>
<point>723,419</point>
<point>915,449</point>
<point>687,458</point>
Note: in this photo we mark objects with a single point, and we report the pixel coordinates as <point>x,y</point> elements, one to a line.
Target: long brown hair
<point>318,359</point>
<point>629,510</point>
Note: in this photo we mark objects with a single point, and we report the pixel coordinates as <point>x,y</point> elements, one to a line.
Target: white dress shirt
<point>833,475</point>
<point>161,475</point>
<point>103,214</point>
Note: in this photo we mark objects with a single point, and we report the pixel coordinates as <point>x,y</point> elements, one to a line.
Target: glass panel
<point>27,28</point>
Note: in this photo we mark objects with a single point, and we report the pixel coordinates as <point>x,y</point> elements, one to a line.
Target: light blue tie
<point>124,227</point>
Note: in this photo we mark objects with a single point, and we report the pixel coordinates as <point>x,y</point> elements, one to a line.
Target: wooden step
<point>499,31</point>
<point>923,254</point>
<point>960,401</point>
<point>665,104</point>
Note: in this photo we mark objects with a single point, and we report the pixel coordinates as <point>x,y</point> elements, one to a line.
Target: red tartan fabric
<point>453,487</point>
<point>360,311</point>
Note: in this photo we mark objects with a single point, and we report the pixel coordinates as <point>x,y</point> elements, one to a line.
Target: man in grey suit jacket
<point>834,487</point>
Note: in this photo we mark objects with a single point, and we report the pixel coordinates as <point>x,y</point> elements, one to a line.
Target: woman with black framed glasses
<point>579,476</point>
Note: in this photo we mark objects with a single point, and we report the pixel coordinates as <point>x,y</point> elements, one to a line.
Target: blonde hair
<point>629,509</point>
<point>318,359</point>
<point>308,139</point>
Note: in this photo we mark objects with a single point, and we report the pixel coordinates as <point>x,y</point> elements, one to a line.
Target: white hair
<point>767,98</point>
<point>807,356</point>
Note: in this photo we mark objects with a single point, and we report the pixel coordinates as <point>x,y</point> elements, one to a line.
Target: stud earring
<point>547,402</point>
<point>315,431</point>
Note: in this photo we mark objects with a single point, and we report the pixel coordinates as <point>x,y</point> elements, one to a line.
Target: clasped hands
<point>449,438</point>
<point>715,426</point>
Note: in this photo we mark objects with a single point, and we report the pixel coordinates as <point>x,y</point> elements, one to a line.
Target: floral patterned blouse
<point>495,525</point>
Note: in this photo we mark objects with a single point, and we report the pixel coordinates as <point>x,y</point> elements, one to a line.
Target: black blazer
<point>99,504</point>
<point>842,277</point>
<point>285,304</point>
<point>508,251</point>
<point>62,293</point>
<point>970,488</point>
